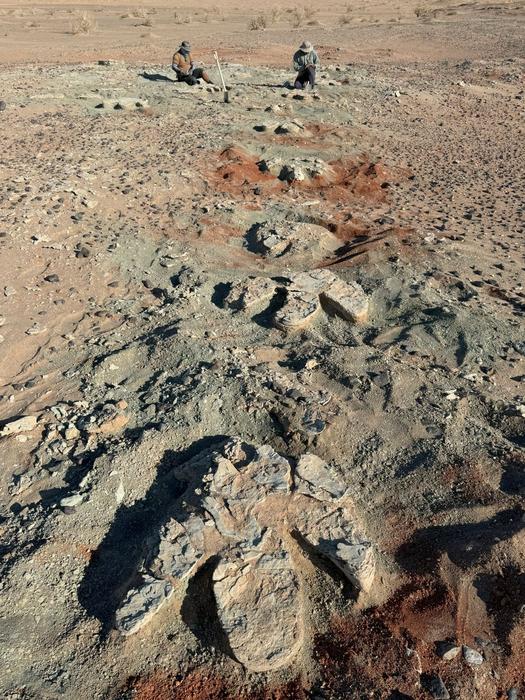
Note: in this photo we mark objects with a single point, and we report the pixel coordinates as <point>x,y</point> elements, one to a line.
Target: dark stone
<point>2,105</point>
<point>52,278</point>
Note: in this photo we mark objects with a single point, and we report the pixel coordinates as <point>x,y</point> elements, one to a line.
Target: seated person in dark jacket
<point>183,66</point>
<point>305,62</point>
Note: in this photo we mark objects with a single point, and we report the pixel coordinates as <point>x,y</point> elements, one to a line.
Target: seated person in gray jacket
<point>305,62</point>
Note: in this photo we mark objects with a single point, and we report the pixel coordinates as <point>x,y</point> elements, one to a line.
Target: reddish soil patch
<point>361,178</point>
<point>353,181</point>
<point>423,610</point>
<point>238,174</point>
<point>162,686</point>
<point>468,483</point>
<point>360,656</point>
<point>218,232</point>
<point>202,686</point>
<point>385,652</point>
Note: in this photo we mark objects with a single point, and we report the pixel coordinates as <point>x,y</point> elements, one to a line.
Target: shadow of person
<point>504,595</point>
<point>115,566</point>
<point>465,543</point>
<point>157,77</point>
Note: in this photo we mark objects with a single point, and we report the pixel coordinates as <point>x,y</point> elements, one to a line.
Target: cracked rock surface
<point>243,516</point>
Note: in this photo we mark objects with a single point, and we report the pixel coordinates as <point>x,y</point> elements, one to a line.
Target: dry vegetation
<point>301,16</point>
<point>178,19</point>
<point>259,22</point>
<point>424,12</point>
<point>83,23</point>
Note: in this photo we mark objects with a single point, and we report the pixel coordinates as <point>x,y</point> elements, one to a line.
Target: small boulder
<point>20,425</point>
<point>472,657</point>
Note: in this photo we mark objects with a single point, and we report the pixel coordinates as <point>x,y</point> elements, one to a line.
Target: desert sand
<point>262,361</point>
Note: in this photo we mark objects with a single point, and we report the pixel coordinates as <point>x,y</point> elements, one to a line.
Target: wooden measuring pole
<point>226,94</point>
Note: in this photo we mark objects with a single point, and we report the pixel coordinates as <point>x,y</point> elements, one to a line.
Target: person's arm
<point>175,63</point>
<point>296,63</point>
<point>313,59</point>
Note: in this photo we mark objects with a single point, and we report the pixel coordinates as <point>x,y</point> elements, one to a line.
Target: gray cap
<point>306,46</point>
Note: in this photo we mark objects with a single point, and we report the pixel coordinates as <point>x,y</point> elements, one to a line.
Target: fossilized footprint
<point>242,513</point>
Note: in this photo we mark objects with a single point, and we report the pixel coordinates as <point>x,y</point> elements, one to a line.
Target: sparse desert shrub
<point>298,17</point>
<point>259,22</point>
<point>83,24</point>
<point>139,13</point>
<point>146,23</point>
<point>422,12</point>
<point>310,13</point>
<point>347,17</point>
<point>275,14</point>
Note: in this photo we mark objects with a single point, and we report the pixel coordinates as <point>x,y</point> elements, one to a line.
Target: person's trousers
<point>305,76</point>
<point>191,78</point>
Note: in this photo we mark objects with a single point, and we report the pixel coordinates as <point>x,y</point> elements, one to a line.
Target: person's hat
<point>186,45</point>
<point>305,47</point>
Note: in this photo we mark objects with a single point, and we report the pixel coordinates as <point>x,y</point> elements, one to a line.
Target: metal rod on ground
<point>225,91</point>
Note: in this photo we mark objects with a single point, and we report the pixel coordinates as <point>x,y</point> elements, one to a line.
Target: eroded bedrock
<point>293,239</point>
<point>305,294</point>
<point>245,514</point>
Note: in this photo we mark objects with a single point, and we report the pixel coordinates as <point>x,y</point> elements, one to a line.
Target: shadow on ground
<point>115,565</point>
<point>465,544</point>
<point>157,77</point>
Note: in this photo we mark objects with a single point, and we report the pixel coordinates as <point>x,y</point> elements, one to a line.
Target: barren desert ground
<point>262,352</point>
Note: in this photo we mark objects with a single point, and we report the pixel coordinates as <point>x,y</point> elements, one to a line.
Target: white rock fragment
<point>450,653</point>
<point>472,657</point>
<point>20,425</point>
<point>35,329</point>
<point>141,604</point>
<point>294,127</point>
<point>120,493</point>
<point>296,169</point>
<point>73,501</point>
<point>294,239</point>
